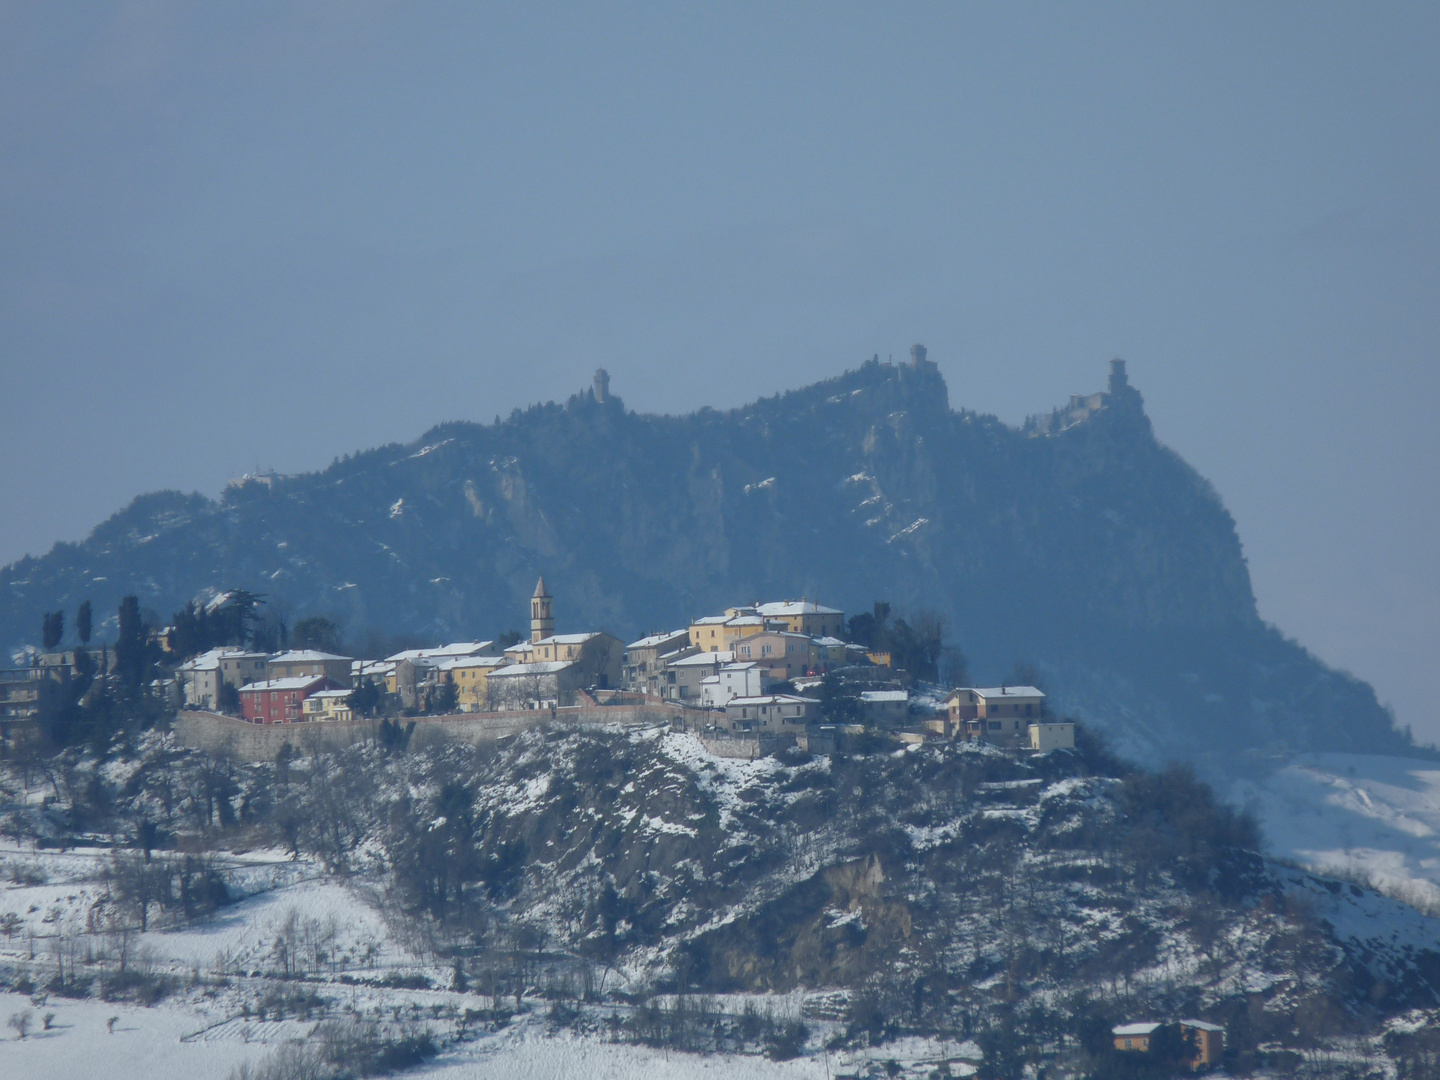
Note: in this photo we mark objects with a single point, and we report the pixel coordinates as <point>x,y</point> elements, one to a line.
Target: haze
<point>248,235</point>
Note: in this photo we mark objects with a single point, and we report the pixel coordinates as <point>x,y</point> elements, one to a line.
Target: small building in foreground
<point>1048,735</point>
<point>884,706</point>
<point>1209,1042</point>
<point>1134,1036</point>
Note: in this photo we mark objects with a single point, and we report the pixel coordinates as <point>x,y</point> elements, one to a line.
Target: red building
<point>280,701</point>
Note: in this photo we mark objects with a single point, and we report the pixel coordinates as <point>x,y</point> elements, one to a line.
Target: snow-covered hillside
<point>1359,815</point>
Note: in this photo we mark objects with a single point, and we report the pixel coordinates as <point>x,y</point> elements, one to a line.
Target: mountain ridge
<point>1091,552</point>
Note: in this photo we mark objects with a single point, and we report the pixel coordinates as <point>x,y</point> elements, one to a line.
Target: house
<point>328,705</point>
<point>471,676</point>
<point>805,617</point>
<point>456,650</point>
<point>773,713</point>
<point>684,675</point>
<point>1134,1036</point>
<point>998,714</point>
<point>544,684</point>
<point>24,692</point>
<point>203,675</point>
<point>829,653</point>
<point>1209,1041</point>
<point>781,654</point>
<point>281,701</point>
<point>1048,736</point>
<point>600,656</point>
<point>718,633</point>
<point>643,672</point>
<point>742,679</point>
<point>298,662</point>
<point>884,706</point>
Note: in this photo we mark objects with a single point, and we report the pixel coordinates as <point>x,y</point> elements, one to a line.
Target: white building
<point>203,676</point>
<point>742,679</point>
<point>1045,737</point>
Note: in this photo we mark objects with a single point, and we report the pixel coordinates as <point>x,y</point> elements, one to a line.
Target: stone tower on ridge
<point>542,612</point>
<point>602,385</point>
<point>1119,381</point>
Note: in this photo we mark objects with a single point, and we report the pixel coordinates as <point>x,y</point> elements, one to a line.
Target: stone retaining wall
<point>262,742</point>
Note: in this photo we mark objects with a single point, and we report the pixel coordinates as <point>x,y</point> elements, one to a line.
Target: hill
<point>1079,546</point>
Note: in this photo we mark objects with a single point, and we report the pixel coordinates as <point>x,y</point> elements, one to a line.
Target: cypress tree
<point>83,625</point>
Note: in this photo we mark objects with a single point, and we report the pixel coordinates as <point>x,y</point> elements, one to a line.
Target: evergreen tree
<point>83,623</point>
<point>130,659</point>
<point>52,629</point>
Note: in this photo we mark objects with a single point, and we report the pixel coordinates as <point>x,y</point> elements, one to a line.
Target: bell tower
<point>542,612</point>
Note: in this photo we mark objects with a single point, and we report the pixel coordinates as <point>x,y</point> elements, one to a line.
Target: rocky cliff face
<point>1095,554</point>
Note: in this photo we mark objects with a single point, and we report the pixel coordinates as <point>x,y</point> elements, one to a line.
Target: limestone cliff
<point>1089,551</point>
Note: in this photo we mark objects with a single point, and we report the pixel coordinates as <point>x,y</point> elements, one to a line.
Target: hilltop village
<point>749,680</point>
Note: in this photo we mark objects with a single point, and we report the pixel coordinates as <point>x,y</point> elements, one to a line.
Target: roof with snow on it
<point>1008,691</point>
<point>884,695</point>
<point>443,652</point>
<point>797,607</point>
<point>298,682</point>
<point>542,667</point>
<point>704,658</point>
<point>305,656</point>
<point>1134,1029</point>
<point>739,665</point>
<point>657,639</point>
<point>1201,1025</point>
<point>567,639</point>
<point>775,699</point>
<point>463,662</point>
<point>208,661</point>
<point>332,693</point>
<point>710,620</point>
<point>828,642</point>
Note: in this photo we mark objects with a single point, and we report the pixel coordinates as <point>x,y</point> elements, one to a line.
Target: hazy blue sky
<point>239,235</point>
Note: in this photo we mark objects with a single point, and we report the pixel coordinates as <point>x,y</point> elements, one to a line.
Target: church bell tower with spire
<point>542,612</point>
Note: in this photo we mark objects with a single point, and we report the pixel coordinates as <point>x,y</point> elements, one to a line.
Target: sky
<point>265,235</point>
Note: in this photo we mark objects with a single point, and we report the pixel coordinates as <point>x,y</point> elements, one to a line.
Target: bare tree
<point>20,1023</point>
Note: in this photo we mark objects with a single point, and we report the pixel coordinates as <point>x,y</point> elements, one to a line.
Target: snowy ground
<point>1377,818</point>
<point>206,1029</point>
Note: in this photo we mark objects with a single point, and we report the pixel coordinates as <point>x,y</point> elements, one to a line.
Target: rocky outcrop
<point>1094,555</point>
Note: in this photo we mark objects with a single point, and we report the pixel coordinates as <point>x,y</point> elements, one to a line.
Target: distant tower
<point>1119,381</point>
<point>602,384</point>
<point>917,354</point>
<point>542,612</point>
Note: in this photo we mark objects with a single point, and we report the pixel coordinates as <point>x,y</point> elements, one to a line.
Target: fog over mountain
<point>1077,545</point>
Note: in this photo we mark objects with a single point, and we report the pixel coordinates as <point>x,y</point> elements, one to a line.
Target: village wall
<point>262,742</point>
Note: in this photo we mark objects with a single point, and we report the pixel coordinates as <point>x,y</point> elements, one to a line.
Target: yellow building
<point>471,676</point>
<point>805,617</point>
<point>327,705</point>
<point>718,633</point>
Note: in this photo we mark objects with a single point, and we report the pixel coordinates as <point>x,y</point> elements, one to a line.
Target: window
<point>995,725</point>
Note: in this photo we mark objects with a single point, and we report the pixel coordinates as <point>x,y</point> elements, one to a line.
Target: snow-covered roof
<point>828,642</point>
<point>746,620</point>
<point>775,699</point>
<point>305,656</point>
<point>299,682</point>
<point>542,667</point>
<point>710,620</point>
<point>444,652</point>
<point>797,607</point>
<point>1134,1029</point>
<point>1008,691</point>
<point>657,639</point>
<point>1201,1025</point>
<point>739,665</point>
<point>704,658</point>
<point>884,695</point>
<point>209,661</point>
<point>332,693</point>
<point>567,639</point>
<point>472,662</point>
